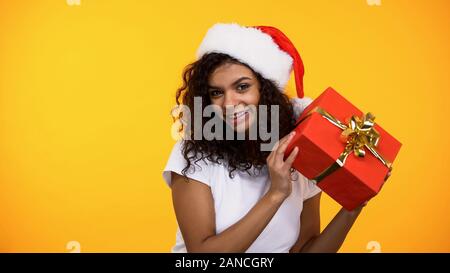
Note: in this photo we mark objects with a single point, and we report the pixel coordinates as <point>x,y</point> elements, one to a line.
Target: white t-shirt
<point>233,198</point>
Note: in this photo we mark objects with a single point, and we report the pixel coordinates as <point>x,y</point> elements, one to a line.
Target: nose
<point>230,99</point>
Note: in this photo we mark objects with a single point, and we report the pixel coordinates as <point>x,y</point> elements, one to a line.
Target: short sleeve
<point>310,188</point>
<point>199,171</point>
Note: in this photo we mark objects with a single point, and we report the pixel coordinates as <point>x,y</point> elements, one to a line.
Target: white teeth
<point>240,114</point>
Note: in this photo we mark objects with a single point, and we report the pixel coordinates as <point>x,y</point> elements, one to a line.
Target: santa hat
<point>265,49</point>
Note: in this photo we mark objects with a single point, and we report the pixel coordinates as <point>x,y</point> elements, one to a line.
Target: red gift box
<point>321,143</point>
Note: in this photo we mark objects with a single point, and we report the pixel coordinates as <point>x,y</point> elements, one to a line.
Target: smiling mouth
<point>240,114</point>
<point>237,115</point>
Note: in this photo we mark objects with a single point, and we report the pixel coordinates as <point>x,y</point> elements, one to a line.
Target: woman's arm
<point>194,207</point>
<point>332,237</point>
<point>309,222</point>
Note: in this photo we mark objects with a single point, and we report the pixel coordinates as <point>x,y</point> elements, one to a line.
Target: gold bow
<point>358,134</point>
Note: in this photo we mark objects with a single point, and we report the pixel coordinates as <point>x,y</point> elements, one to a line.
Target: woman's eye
<point>243,86</point>
<point>214,93</point>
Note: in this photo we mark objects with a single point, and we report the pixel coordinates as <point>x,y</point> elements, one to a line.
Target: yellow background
<point>85,130</point>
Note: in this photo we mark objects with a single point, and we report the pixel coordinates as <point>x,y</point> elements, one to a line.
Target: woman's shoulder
<point>307,186</point>
<point>188,164</point>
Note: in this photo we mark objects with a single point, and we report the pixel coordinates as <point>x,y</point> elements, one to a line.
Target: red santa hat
<point>265,49</point>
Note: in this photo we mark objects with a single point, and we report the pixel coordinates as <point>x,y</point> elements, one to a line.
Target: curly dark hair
<point>237,154</point>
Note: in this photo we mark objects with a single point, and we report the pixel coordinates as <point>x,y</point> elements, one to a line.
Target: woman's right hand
<point>280,169</point>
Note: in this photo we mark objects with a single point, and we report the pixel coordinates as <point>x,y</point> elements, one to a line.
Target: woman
<point>231,195</point>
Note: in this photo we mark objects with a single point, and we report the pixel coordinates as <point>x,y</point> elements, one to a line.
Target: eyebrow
<point>233,84</point>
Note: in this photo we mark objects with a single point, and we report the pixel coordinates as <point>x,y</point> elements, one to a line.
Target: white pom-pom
<point>299,105</point>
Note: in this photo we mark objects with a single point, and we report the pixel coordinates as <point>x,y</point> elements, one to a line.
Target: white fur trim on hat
<point>299,105</point>
<point>250,46</point>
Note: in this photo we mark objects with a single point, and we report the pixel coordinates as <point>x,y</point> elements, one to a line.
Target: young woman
<point>231,195</point>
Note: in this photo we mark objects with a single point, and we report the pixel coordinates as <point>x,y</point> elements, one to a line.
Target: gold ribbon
<point>358,134</point>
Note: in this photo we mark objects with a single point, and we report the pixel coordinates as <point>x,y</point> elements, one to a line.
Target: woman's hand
<point>280,169</point>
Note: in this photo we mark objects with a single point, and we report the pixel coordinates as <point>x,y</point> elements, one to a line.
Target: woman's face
<point>234,88</point>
